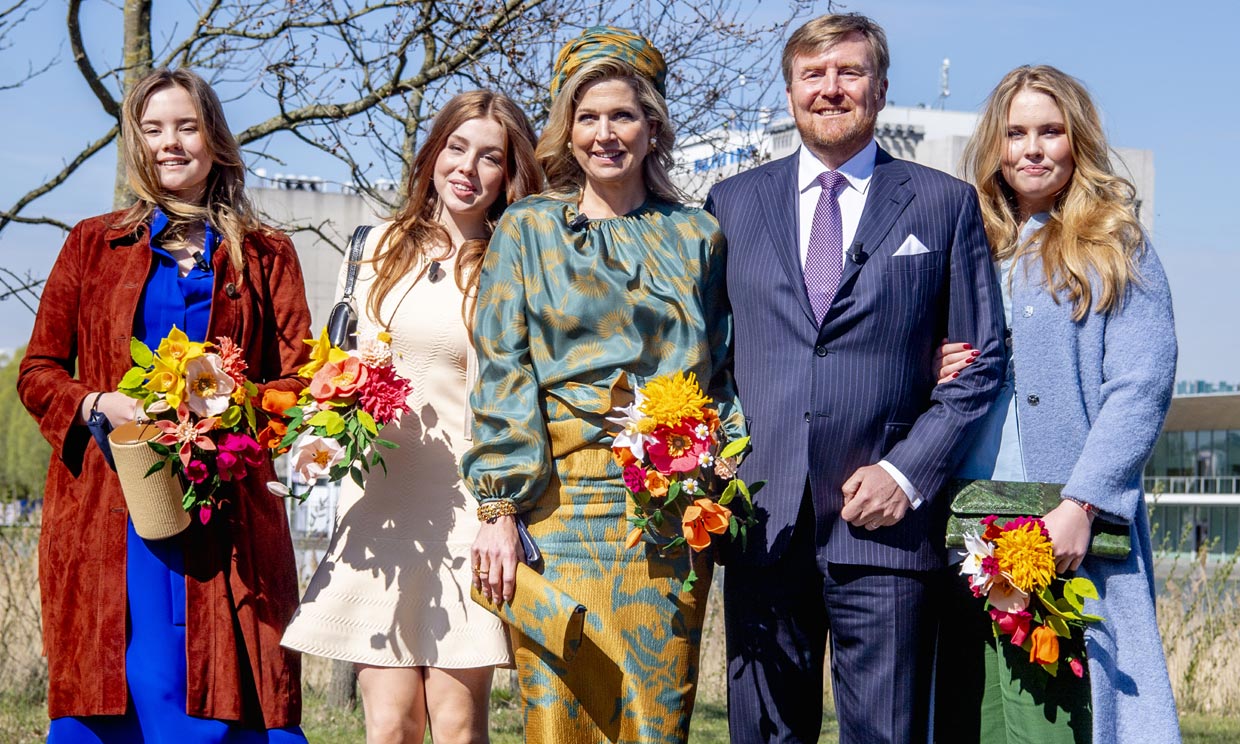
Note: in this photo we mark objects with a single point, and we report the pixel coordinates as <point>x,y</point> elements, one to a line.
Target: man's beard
<point>827,135</point>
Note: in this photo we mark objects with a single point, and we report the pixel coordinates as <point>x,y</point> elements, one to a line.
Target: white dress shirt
<point>858,171</point>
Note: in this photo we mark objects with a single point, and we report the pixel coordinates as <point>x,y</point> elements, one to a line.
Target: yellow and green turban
<point>600,42</point>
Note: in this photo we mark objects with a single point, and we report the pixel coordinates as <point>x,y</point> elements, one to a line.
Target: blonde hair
<point>825,31</point>
<point>1093,231</point>
<point>403,246</point>
<point>224,204</point>
<point>564,173</point>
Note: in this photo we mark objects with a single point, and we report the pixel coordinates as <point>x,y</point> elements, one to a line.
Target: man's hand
<point>873,499</point>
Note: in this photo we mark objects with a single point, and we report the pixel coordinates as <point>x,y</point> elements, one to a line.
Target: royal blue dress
<point>155,665</point>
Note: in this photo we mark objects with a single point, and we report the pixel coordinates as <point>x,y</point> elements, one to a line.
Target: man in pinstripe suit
<point>845,269</point>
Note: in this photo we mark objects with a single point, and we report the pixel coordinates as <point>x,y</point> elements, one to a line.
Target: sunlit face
<point>611,134</point>
<point>172,132</point>
<point>469,171</point>
<point>835,96</point>
<point>1037,159</point>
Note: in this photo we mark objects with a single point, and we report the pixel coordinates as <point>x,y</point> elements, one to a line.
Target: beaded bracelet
<point>492,510</point>
<point>1090,509</point>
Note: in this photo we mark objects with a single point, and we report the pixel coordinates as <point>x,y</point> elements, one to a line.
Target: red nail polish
<point>955,375</point>
<point>976,352</point>
<point>968,346</point>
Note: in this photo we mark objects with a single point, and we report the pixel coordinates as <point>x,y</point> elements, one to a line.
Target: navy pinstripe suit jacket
<point>822,401</point>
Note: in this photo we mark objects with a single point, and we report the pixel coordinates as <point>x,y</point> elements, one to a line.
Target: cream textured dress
<point>393,588</point>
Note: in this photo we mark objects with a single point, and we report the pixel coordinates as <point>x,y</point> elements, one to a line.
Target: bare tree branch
<point>110,106</point>
<point>10,215</point>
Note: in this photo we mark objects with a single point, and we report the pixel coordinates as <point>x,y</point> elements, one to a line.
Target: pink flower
<point>209,389</point>
<point>232,361</point>
<point>186,433</point>
<point>315,456</point>
<point>1014,624</point>
<point>237,453</point>
<point>635,478</point>
<point>1077,667</point>
<point>338,379</point>
<point>1007,598</point>
<point>385,396</point>
<point>204,514</point>
<point>676,449</point>
<point>196,471</point>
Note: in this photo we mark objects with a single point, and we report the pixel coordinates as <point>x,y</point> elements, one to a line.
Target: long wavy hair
<point>1091,243</point>
<point>564,173</point>
<point>405,247</point>
<point>224,204</point>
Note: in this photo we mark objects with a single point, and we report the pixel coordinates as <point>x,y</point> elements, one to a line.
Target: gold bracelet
<point>490,511</point>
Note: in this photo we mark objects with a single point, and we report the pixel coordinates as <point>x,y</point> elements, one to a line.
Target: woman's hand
<point>118,407</point>
<point>495,555</point>
<point>1070,528</point>
<point>950,358</point>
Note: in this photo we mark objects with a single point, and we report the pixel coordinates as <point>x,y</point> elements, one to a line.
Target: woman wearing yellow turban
<point>602,282</point>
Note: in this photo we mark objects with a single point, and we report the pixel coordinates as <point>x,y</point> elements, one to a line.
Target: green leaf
<point>356,475</point>
<point>676,542</point>
<point>385,443</point>
<point>1069,596</point>
<point>155,468</point>
<point>744,489</point>
<point>673,491</point>
<point>367,421</point>
<point>141,353</point>
<point>687,586</point>
<point>734,526</point>
<point>1052,668</point>
<point>230,417</point>
<point>1058,625</point>
<point>729,493</point>
<point>755,487</point>
<point>735,447</point>
<point>657,517</point>
<point>1083,587</point>
<point>133,379</point>
<point>329,420</point>
<point>187,502</point>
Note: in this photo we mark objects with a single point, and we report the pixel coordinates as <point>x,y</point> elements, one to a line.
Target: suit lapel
<point>886,201</point>
<point>777,198</point>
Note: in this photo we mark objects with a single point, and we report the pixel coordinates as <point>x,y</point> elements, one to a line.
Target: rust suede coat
<point>241,582</point>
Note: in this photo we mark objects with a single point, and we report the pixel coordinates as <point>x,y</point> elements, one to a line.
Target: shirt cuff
<point>914,498</point>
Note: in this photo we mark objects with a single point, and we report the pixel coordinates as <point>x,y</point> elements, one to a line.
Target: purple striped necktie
<point>824,261</point>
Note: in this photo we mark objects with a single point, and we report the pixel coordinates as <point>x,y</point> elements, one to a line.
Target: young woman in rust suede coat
<point>239,576</point>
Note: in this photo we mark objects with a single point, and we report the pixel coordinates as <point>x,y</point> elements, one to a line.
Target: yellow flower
<point>1026,555</point>
<point>321,352</point>
<point>177,349</point>
<point>672,398</point>
<point>167,379</point>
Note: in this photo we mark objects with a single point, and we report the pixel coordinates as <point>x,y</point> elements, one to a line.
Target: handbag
<point>539,610</point>
<point>973,500</point>
<point>342,321</point>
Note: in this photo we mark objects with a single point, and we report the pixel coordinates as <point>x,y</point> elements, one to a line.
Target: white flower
<point>314,456</point>
<point>629,421</point>
<point>705,460</point>
<point>689,486</point>
<point>278,488</point>
<point>702,431</point>
<point>209,389</point>
<point>975,553</point>
<point>374,350</point>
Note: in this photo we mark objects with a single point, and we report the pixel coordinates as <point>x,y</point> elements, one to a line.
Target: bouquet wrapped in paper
<point>332,428</point>
<point>679,469</point>
<point>1012,566</point>
<point>198,401</point>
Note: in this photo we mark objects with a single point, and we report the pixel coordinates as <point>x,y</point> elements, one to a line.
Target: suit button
<point>1033,400</point>
<point>807,417</point>
<point>820,350</point>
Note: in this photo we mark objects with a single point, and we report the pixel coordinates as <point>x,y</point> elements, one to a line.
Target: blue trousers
<point>155,666</point>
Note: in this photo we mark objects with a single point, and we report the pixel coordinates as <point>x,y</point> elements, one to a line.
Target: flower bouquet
<point>197,398</point>
<point>679,468</point>
<point>332,427</point>
<point>1012,566</point>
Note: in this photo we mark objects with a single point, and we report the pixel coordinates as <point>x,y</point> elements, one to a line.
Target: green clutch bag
<point>541,612</point>
<point>973,500</point>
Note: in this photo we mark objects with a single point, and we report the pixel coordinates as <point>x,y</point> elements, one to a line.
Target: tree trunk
<point>136,56</point>
<point>342,689</point>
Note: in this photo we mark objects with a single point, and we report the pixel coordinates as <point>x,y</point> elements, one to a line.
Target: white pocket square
<point>911,247</point>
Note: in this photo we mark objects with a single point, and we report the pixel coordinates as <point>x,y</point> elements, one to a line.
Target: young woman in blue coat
<point>1092,365</point>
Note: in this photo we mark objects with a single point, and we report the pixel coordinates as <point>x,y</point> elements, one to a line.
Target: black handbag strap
<point>356,244</point>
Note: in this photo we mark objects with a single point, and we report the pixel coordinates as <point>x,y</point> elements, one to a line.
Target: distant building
<point>1202,387</point>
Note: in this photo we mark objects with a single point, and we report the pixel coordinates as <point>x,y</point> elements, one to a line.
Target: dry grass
<point>1199,617</point>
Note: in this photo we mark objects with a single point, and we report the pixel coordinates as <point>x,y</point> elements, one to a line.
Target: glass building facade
<point>1192,482</point>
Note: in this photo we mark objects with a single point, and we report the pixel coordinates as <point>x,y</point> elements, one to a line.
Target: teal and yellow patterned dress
<point>566,320</point>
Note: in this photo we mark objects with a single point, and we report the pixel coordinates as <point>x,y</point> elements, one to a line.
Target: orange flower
<point>278,401</point>
<point>623,457</point>
<point>1045,648</point>
<point>701,518</point>
<point>635,536</point>
<point>272,435</point>
<point>656,484</point>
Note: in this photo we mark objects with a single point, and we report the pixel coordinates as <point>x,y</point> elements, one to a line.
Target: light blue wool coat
<point>1092,396</point>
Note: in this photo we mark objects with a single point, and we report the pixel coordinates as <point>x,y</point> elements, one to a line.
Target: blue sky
<point>1164,78</point>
